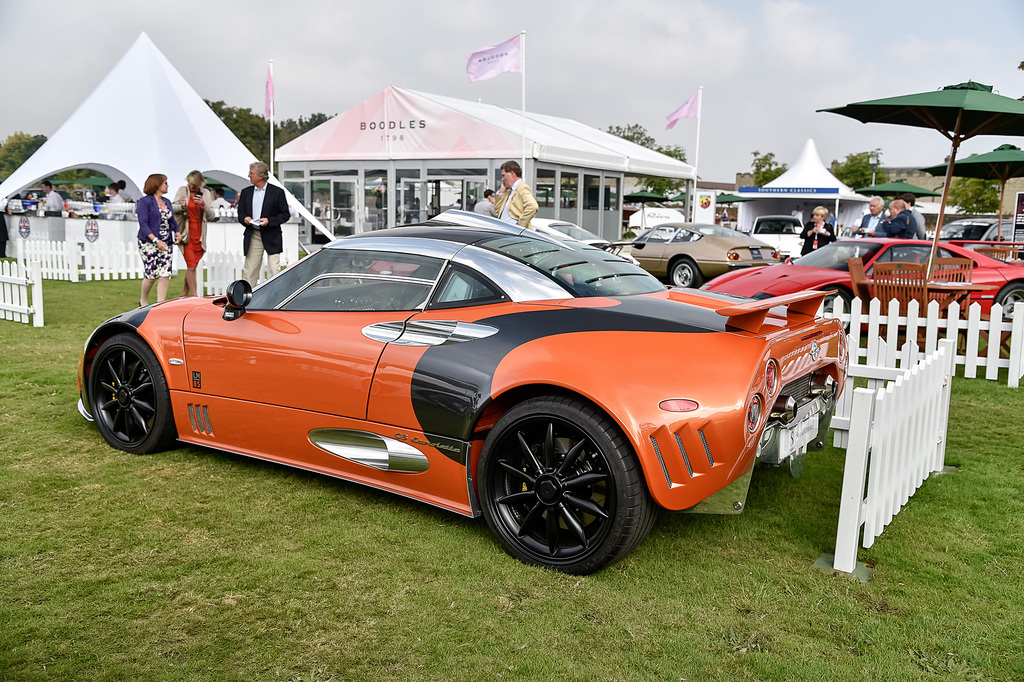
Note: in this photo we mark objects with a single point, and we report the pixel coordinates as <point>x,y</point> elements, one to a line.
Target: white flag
<point>494,60</point>
<point>690,109</point>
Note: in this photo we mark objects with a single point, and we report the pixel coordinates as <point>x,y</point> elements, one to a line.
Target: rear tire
<point>561,487</point>
<point>685,273</point>
<point>129,396</point>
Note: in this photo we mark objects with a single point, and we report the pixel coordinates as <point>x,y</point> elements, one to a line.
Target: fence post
<point>36,286</point>
<point>854,475</point>
<point>1016,341</point>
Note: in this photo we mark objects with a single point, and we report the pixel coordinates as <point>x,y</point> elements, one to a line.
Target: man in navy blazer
<point>262,208</point>
<point>869,223</point>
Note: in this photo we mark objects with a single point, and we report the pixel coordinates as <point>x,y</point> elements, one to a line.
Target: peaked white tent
<point>807,183</point>
<point>167,129</point>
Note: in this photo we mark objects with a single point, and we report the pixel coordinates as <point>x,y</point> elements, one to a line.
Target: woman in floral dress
<point>158,231</point>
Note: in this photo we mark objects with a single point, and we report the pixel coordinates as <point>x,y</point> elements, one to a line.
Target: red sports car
<point>828,269</point>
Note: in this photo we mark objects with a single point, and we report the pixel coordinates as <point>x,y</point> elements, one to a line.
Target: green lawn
<point>194,564</point>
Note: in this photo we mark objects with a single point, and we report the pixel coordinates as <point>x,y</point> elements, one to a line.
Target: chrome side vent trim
<point>682,451</point>
<point>427,332</point>
<point>661,461</point>
<point>370,449</point>
<point>707,450</point>
<point>199,417</point>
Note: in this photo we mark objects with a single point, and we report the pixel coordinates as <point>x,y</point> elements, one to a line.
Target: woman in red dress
<point>192,204</point>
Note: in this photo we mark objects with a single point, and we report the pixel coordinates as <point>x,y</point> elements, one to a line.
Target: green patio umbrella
<point>1000,164</point>
<point>726,198</point>
<point>896,187</point>
<point>959,112</point>
<point>679,197</point>
<point>642,198</point>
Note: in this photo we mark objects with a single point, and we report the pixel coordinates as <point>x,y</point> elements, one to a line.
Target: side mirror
<point>239,295</point>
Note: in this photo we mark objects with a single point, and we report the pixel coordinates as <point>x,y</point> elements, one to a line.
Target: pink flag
<point>268,105</point>
<point>688,110</point>
<point>494,60</point>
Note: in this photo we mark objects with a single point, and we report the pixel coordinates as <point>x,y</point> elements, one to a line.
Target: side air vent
<point>707,450</point>
<point>682,451</point>
<point>199,416</point>
<point>657,451</point>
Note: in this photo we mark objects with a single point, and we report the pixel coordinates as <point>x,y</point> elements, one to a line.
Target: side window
<point>683,236</point>
<point>461,287</point>
<point>660,235</point>
<point>910,254</point>
<point>346,293</point>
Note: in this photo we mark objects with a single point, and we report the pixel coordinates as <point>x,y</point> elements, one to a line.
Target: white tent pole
<point>272,107</point>
<point>522,69</point>
<point>696,147</point>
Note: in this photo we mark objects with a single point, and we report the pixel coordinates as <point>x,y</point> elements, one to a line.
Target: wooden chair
<point>953,270</point>
<point>904,282</point>
<point>859,280</point>
<point>998,252</point>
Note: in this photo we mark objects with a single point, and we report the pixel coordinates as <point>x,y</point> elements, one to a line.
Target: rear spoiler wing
<point>750,316</point>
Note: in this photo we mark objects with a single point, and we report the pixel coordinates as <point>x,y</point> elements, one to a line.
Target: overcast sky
<point>766,65</point>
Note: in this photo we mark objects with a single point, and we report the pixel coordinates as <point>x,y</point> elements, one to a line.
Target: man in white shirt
<point>798,213</point>
<point>54,202</point>
<point>220,204</point>
<point>869,223</point>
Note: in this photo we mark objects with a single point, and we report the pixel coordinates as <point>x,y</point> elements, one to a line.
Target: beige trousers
<point>254,259</point>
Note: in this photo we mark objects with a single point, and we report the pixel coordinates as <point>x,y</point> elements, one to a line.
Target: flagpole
<point>696,148</point>
<point>522,68</point>
<point>271,119</point>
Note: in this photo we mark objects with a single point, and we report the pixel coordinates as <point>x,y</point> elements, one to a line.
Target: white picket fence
<point>219,269</point>
<point>970,335</point>
<point>76,262</point>
<point>21,292</point>
<point>895,437</point>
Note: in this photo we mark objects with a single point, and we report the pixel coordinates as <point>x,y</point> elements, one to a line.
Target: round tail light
<point>754,412</point>
<point>733,255</point>
<point>771,378</point>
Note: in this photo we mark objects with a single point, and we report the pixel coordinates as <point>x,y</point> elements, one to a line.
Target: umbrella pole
<point>999,214</point>
<point>945,193</point>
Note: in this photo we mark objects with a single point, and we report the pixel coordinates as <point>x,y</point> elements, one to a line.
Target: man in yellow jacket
<point>516,203</point>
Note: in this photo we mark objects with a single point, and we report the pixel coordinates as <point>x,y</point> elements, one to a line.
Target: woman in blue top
<point>157,232</point>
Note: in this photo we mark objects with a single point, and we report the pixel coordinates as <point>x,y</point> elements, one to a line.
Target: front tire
<point>561,487</point>
<point>685,273</point>
<point>1010,294</point>
<point>129,396</point>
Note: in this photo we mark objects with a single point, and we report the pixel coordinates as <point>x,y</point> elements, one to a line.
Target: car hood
<point>777,280</point>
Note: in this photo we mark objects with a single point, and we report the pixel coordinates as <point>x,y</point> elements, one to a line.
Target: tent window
<point>545,193</point>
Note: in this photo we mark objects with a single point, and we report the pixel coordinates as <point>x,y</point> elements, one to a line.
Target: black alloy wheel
<point>129,397</point>
<point>561,488</point>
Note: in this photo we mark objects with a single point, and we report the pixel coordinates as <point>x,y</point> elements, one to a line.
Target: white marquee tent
<point>142,118</point>
<point>807,183</point>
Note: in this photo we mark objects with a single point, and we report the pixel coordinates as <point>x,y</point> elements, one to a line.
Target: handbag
<point>183,239</point>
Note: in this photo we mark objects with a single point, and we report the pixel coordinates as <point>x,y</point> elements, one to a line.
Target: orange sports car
<point>464,363</point>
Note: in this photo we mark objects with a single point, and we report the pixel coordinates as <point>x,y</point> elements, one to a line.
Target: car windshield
<point>964,230</point>
<point>715,231</point>
<point>354,266</point>
<point>835,256</point>
<point>575,232</point>
<point>583,270</point>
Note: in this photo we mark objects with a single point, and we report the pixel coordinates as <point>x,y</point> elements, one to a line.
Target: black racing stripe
<point>452,382</point>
